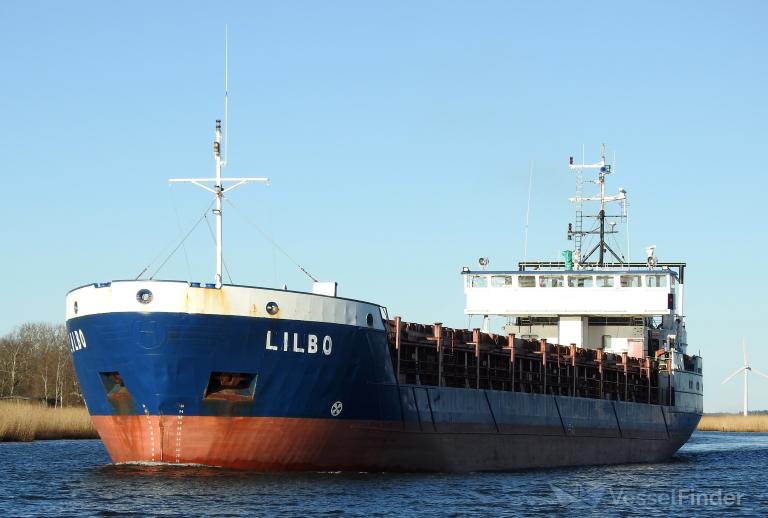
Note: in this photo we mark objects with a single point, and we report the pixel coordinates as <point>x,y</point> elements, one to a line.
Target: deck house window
<point>579,281</point>
<point>551,281</point>
<point>605,281</point>
<point>479,281</point>
<point>656,281</point>
<point>526,281</point>
<point>631,281</point>
<point>501,281</point>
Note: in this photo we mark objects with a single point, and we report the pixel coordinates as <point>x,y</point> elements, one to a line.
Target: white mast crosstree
<point>218,187</point>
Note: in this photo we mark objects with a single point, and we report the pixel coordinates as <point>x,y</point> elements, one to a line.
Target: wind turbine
<point>746,368</point>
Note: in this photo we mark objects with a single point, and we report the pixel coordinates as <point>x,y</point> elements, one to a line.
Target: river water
<point>715,474</point>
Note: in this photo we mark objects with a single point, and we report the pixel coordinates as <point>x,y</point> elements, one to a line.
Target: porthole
<point>144,296</point>
<point>369,320</point>
<point>272,308</point>
<point>75,308</point>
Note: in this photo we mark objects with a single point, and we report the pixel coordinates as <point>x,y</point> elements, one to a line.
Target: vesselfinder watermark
<point>593,495</point>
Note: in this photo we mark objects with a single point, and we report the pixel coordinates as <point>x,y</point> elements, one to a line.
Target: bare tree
<point>14,361</point>
<point>35,361</point>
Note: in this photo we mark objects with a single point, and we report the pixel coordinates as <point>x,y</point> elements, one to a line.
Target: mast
<point>218,182</point>
<point>602,246</point>
<point>218,191</point>
<point>601,215</point>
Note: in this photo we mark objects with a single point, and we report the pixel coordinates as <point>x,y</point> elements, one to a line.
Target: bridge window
<point>501,281</point>
<point>656,281</point>
<point>526,281</point>
<point>551,281</point>
<point>631,281</point>
<point>605,281</point>
<point>580,281</point>
<point>479,281</point>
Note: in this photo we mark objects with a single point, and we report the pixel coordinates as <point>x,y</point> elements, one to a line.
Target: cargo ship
<point>591,366</point>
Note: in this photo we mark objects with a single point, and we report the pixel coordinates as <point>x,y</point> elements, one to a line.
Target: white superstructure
<point>619,310</point>
<point>618,306</point>
<point>584,292</point>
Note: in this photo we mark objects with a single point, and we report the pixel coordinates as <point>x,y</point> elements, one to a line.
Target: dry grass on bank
<point>27,422</point>
<point>733,423</point>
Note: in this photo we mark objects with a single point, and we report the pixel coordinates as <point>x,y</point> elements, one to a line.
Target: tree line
<point>36,363</point>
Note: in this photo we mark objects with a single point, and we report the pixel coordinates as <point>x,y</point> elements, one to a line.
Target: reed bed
<point>733,423</point>
<point>27,422</point>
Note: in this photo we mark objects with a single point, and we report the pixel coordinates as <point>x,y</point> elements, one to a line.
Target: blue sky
<point>398,137</point>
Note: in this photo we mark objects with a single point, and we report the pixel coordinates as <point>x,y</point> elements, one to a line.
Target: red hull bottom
<point>286,444</point>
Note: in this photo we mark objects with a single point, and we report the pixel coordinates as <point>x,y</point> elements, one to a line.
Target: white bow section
<point>181,297</point>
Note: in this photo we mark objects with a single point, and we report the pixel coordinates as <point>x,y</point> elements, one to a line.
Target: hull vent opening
<point>119,397</point>
<point>231,386</point>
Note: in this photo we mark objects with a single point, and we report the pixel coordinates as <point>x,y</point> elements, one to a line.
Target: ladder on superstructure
<point>579,221</point>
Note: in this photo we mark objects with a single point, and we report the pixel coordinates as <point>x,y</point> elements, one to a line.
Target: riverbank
<point>733,423</point>
<point>28,422</point>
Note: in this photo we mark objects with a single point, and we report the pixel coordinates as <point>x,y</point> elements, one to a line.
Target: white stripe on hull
<point>181,297</point>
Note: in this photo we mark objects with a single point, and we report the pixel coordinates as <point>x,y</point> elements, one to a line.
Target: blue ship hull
<point>152,382</point>
<point>167,358</point>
